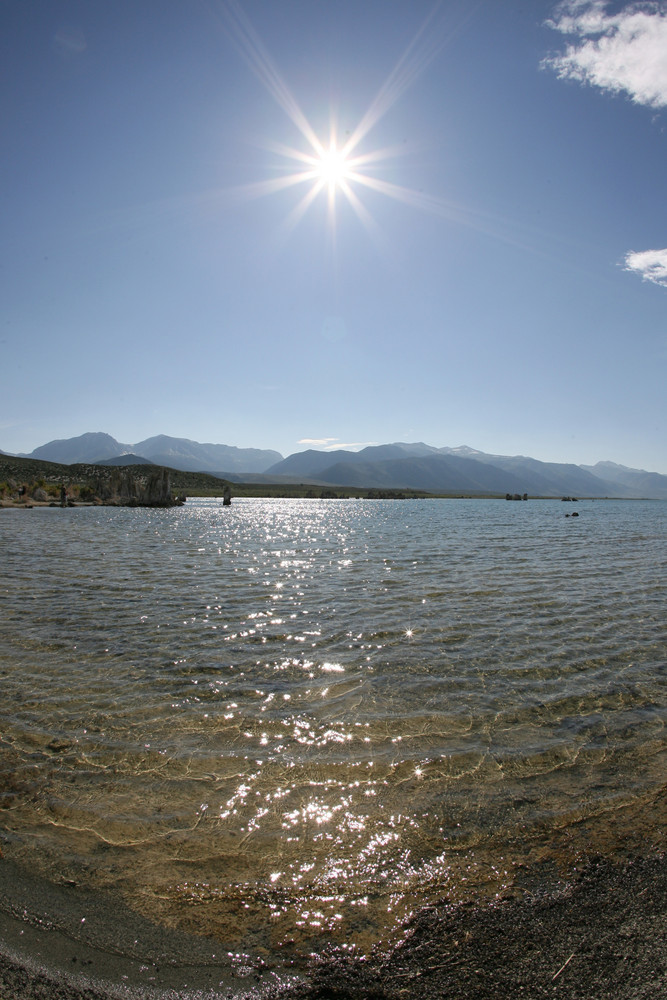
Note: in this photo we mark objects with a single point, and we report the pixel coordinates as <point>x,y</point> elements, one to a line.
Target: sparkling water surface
<point>290,722</point>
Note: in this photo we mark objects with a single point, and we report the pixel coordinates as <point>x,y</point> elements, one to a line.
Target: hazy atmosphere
<point>313,224</point>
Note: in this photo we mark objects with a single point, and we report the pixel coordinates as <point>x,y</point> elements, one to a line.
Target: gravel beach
<point>603,935</point>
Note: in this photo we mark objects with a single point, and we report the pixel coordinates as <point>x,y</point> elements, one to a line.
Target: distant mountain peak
<point>462,449</point>
<point>89,447</point>
<point>616,466</point>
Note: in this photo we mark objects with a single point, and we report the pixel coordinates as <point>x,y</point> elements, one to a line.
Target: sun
<point>333,167</point>
<point>325,167</point>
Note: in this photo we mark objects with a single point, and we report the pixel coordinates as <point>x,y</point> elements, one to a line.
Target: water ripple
<point>294,721</point>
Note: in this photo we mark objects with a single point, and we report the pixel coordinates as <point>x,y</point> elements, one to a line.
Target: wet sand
<point>602,935</point>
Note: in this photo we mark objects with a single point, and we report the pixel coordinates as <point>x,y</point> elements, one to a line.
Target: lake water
<point>292,722</point>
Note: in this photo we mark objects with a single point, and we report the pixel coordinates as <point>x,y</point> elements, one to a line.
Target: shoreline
<point>601,935</point>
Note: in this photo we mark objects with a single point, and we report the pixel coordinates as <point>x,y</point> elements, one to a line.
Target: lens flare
<point>330,169</point>
<point>333,168</point>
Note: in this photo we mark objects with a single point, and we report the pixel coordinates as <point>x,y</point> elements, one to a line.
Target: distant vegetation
<point>309,490</point>
<point>33,475</point>
<point>79,479</point>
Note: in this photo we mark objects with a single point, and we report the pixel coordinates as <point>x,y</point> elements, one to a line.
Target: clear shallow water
<point>291,722</point>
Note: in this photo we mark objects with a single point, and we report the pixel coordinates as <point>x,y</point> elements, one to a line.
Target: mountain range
<point>390,466</point>
<point>175,453</point>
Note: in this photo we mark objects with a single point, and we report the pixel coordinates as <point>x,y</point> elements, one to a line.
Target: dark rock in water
<point>59,745</point>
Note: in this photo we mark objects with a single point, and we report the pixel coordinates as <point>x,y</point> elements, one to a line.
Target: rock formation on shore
<point>133,489</point>
<point>145,486</point>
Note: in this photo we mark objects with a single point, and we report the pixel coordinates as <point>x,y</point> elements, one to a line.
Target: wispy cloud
<point>334,444</point>
<point>650,264</point>
<point>354,445</point>
<point>621,52</point>
<point>318,442</point>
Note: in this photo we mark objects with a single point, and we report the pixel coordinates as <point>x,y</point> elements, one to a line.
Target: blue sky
<point>483,263</point>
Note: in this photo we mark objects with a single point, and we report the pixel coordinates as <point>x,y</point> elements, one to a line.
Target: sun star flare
<point>333,167</point>
<point>336,168</point>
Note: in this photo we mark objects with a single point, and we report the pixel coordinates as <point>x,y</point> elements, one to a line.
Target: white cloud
<point>626,51</point>
<point>650,264</point>
<point>322,442</point>
<point>334,444</point>
<point>352,445</point>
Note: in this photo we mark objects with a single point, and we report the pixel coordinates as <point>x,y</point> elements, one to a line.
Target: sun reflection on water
<point>313,764</point>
